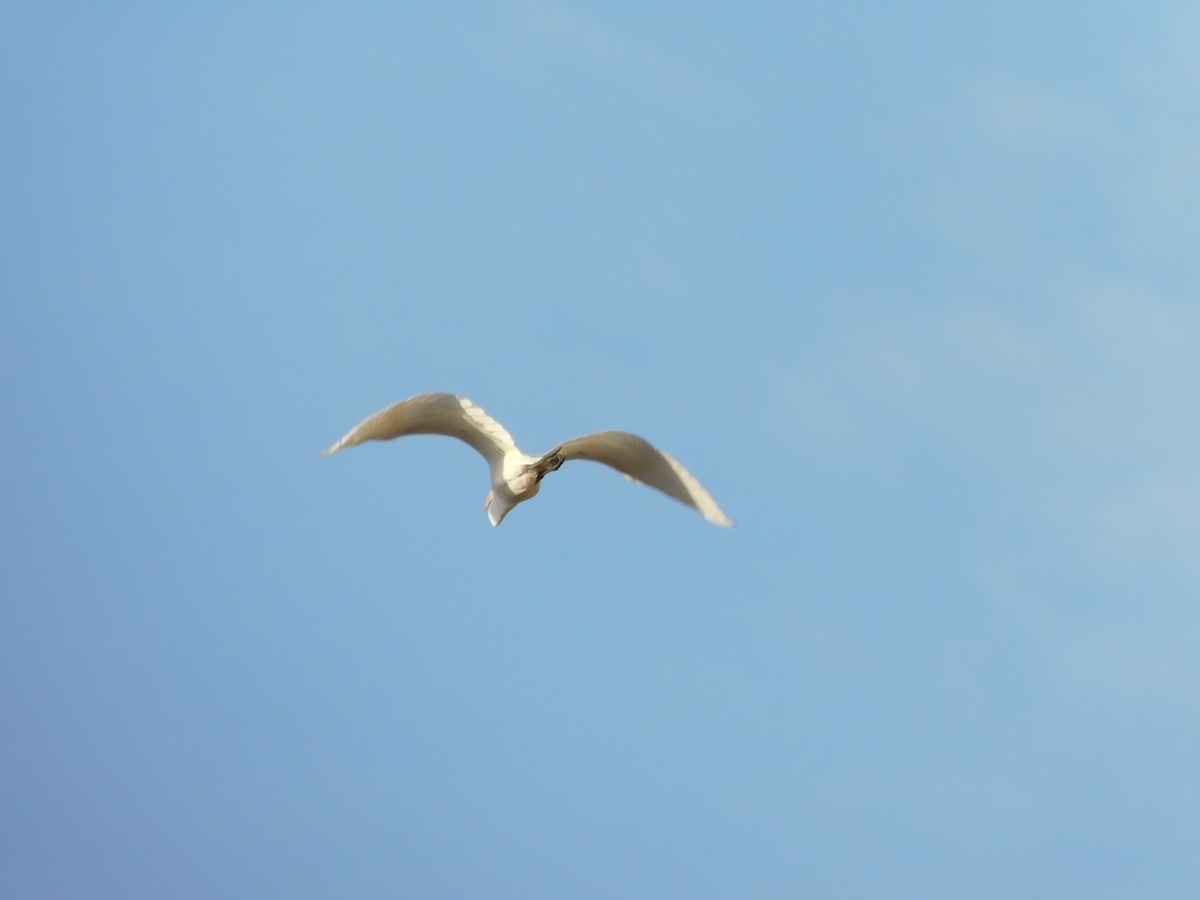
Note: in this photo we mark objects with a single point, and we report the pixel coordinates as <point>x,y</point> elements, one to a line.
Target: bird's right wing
<point>433,414</point>
<point>639,460</point>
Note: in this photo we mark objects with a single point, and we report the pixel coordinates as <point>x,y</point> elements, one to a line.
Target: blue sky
<point>912,289</point>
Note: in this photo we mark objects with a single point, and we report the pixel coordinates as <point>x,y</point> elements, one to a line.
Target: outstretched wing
<point>433,414</point>
<point>639,460</point>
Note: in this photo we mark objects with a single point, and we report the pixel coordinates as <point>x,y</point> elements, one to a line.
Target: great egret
<point>516,476</point>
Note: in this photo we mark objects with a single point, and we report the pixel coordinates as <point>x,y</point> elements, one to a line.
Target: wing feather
<point>438,413</point>
<point>640,461</point>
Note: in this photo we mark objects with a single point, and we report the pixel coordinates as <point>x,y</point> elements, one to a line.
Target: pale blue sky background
<point>911,287</point>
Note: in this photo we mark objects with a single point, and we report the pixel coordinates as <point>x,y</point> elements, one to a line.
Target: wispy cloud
<point>1063,381</point>
<point>646,68</point>
<point>1032,118</point>
<point>1137,648</point>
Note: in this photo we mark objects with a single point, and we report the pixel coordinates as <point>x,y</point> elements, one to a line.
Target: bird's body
<point>517,476</point>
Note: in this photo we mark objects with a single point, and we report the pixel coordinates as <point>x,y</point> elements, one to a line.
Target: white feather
<point>516,476</point>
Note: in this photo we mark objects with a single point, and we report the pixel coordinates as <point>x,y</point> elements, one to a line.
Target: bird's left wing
<point>639,460</point>
<point>433,414</point>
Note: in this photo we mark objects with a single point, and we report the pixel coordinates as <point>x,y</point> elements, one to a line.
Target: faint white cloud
<point>1076,419</point>
<point>1155,520</point>
<point>1094,171</point>
<point>1089,392</point>
<point>1069,211</point>
<point>1033,118</point>
<point>990,800</point>
<point>1050,367</point>
<point>625,59</point>
<point>1140,651</point>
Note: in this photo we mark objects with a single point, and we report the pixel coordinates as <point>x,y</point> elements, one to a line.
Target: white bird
<point>516,476</point>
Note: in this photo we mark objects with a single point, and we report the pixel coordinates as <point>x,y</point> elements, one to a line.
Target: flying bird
<point>516,476</point>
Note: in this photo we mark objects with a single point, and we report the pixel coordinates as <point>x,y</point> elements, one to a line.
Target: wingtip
<point>334,448</point>
<point>717,516</point>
